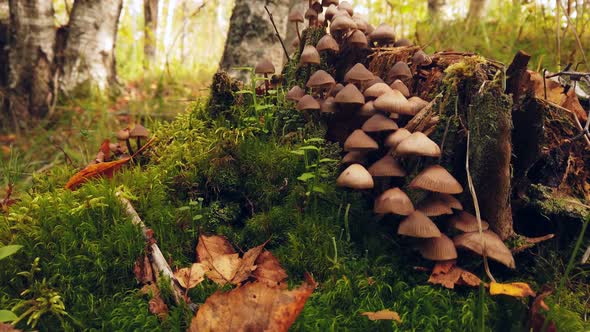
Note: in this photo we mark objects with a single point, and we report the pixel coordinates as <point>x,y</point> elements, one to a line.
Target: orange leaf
<point>104,148</point>
<point>448,275</point>
<point>92,171</point>
<point>383,315</point>
<point>253,307</point>
<point>191,277</point>
<point>514,289</point>
<point>269,271</point>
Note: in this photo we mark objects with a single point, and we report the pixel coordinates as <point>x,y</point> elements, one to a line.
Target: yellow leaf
<point>191,277</point>
<point>383,315</point>
<point>515,289</point>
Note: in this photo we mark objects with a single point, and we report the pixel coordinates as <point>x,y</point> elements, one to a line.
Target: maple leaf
<point>514,289</point>
<point>382,315</point>
<point>269,271</point>
<point>253,307</point>
<point>189,277</point>
<point>448,275</point>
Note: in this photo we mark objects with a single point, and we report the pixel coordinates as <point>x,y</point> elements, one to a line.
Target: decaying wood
<point>423,120</point>
<point>517,76</point>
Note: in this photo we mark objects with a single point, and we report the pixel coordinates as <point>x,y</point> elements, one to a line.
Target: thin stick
<point>477,213</point>
<point>277,33</point>
<point>573,30</point>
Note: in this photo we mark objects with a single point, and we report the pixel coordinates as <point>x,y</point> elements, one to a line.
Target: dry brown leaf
<point>537,317</point>
<point>383,315</point>
<point>514,289</point>
<point>8,328</point>
<point>555,94</point>
<point>96,170</point>
<point>158,307</point>
<point>443,267</point>
<point>223,268</point>
<point>469,279</point>
<point>189,277</point>
<point>247,264</point>
<point>214,245</point>
<point>143,270</point>
<point>448,275</point>
<point>269,271</point>
<point>253,307</point>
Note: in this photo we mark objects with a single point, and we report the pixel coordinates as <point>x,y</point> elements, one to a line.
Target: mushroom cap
<point>418,144</point>
<point>123,134</point>
<point>358,73</point>
<point>317,6</point>
<point>400,70</point>
<point>418,225</point>
<point>320,79</point>
<point>328,105</point>
<point>355,177</point>
<point>358,39</point>
<point>394,139</point>
<point>383,34</point>
<point>434,206</point>
<point>341,23</point>
<point>378,123</point>
<point>451,200</point>
<point>335,89</point>
<point>355,157</point>
<point>370,28</point>
<point>361,24</point>
<point>495,247</point>
<point>376,90</point>
<point>350,95</point>
<point>374,81</point>
<point>402,42</point>
<point>296,16</point>
<point>295,93</point>
<point>417,104</point>
<point>327,3</point>
<point>264,66</point>
<point>310,55</point>
<point>307,102</point>
<point>393,102</point>
<point>394,201</point>
<point>401,87</point>
<point>438,248</point>
<point>330,11</point>
<point>466,222</point>
<point>139,131</point>
<point>345,5</point>
<point>367,110</point>
<point>387,167</point>
<point>359,141</point>
<point>327,42</point>
<point>311,13</point>
<point>436,178</point>
<point>420,58</point>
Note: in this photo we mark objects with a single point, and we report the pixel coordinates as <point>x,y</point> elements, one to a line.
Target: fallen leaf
<point>142,268</point>
<point>448,275</point>
<point>253,307</point>
<point>104,148</point>
<point>383,315</point>
<point>443,267</point>
<point>514,289</point>
<point>269,271</point>
<point>555,94</point>
<point>247,264</point>
<point>106,169</point>
<point>8,328</point>
<point>214,245</point>
<point>190,277</point>
<point>223,268</point>
<point>158,307</point>
<point>538,317</point>
<point>469,279</point>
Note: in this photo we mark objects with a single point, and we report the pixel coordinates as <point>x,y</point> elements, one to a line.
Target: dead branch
<point>277,33</point>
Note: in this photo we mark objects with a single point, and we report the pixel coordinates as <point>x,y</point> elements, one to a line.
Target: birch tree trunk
<point>89,54</point>
<point>251,35</point>
<point>150,14</point>
<point>4,36</point>
<point>477,9</point>
<point>31,56</point>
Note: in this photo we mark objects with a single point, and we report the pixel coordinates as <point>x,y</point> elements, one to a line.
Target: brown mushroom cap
<point>335,89</point>
<point>350,95</point>
<point>311,14</point>
<point>434,205</point>
<point>383,34</point>
<point>418,144</point>
<point>376,90</point>
<point>421,59</point>
<point>393,102</point>
<point>367,110</point>
<point>328,105</point>
<point>372,82</point>
<point>355,157</point>
<point>307,102</point>
<point>451,200</point>
<point>330,12</point>
<point>359,141</point>
<point>400,71</point>
<point>387,167</point>
<point>401,87</point>
<point>264,67</point>
<point>327,3</point>
<point>358,39</point>
<point>418,225</point>
<point>317,6</point>
<point>320,79</point>
<point>345,5</point>
<point>393,140</point>
<point>495,247</point>
<point>139,131</point>
<point>296,16</point>
<point>355,177</point>
<point>327,42</point>
<point>436,178</point>
<point>402,42</point>
<point>394,201</point>
<point>361,24</point>
<point>466,222</point>
<point>123,134</point>
<point>341,23</point>
<point>438,248</point>
<point>370,29</point>
<point>295,93</point>
<point>417,104</point>
<point>379,123</point>
<point>358,73</point>
<point>310,55</point>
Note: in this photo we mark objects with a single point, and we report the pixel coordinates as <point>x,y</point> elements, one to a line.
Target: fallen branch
<point>277,33</point>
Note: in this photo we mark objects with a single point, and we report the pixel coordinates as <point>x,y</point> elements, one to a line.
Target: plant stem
<point>572,260</point>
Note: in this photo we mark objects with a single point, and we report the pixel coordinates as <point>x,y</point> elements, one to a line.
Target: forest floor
<point>236,176</point>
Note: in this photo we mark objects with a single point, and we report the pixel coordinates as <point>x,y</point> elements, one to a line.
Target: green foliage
<point>6,251</point>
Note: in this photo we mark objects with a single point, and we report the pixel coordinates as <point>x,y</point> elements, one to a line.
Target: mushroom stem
<point>297,29</point>
<point>138,143</point>
<point>129,149</point>
<point>266,85</point>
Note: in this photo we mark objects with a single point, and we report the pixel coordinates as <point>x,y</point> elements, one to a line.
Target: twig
<point>573,30</point>
<point>277,33</point>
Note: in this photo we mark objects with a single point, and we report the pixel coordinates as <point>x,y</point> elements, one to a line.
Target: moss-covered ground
<point>219,173</point>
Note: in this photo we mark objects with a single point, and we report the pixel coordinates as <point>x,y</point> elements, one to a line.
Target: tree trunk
<point>477,9</point>
<point>150,14</point>
<point>251,35</point>
<point>31,56</point>
<point>4,36</point>
<point>89,54</point>
<point>435,8</point>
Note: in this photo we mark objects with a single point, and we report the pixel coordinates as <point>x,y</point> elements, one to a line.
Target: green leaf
<point>9,250</point>
<point>184,208</point>
<point>7,316</point>
<point>318,189</point>
<point>306,176</point>
<point>328,160</point>
<point>197,217</point>
<point>243,92</point>
<point>310,147</point>
<point>263,107</point>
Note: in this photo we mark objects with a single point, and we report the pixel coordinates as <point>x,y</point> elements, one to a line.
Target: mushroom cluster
<point>384,105</point>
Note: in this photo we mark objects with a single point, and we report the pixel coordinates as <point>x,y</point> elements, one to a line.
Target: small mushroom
<point>123,135</point>
<point>345,5</point>
<point>330,12</point>
<point>357,75</point>
<point>327,42</point>
<point>438,248</point>
<point>433,206</point>
<point>418,144</point>
<point>466,222</point>
<point>357,39</point>
<point>494,246</point>
<point>265,67</point>
<point>421,59</point>
<point>312,16</point>
<point>297,17</point>
<point>394,139</point>
<point>308,57</point>
<point>418,225</point>
<point>382,35</point>
<point>394,201</point>
<point>321,81</point>
<point>355,177</point>
<point>436,178</point>
<point>295,93</point>
<point>340,26</point>
<point>379,123</point>
<point>401,87</point>
<point>367,110</point>
<point>307,103</point>
<point>387,167</point>
<point>355,157</point>
<point>401,71</point>
<point>393,102</point>
<point>138,132</point>
<point>350,98</point>
<point>359,141</point>
<point>328,106</point>
<point>402,42</point>
<point>376,90</point>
